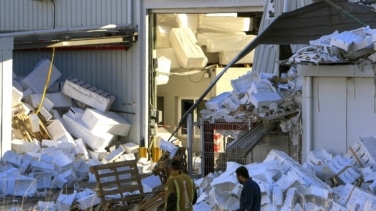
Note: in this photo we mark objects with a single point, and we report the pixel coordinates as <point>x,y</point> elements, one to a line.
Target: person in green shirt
<point>180,190</point>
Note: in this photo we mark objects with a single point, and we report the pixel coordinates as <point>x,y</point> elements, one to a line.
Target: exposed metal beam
<point>84,42</point>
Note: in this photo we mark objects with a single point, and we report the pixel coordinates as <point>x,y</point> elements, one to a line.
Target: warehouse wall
<point>342,102</point>
<point>45,14</point>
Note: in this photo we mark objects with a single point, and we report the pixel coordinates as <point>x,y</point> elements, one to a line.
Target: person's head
<point>175,165</point>
<point>242,174</point>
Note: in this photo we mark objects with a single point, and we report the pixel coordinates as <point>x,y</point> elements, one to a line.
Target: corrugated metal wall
<point>32,14</point>
<point>260,63</point>
<point>107,70</point>
<point>111,70</point>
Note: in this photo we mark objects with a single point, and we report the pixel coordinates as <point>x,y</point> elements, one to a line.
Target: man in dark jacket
<point>180,190</point>
<point>250,197</point>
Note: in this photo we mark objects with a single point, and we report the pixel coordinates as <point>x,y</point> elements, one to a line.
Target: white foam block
<point>150,183</point>
<point>65,201</point>
<point>115,154</point>
<point>16,96</point>
<point>59,100</point>
<point>170,54</point>
<point>216,102</point>
<point>131,147</point>
<point>264,99</point>
<point>35,99</point>
<point>24,186</point>
<point>228,43</point>
<point>34,122</point>
<point>110,122</point>
<point>78,129</point>
<point>88,94</point>
<point>88,201</point>
<point>58,132</point>
<point>37,78</point>
<point>226,57</point>
<point>224,23</point>
<point>189,54</point>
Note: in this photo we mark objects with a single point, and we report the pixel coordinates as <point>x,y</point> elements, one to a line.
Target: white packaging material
<point>216,102</point>
<point>150,183</point>
<point>16,96</point>
<point>264,99</point>
<point>35,99</point>
<point>81,149</point>
<point>59,100</point>
<point>34,122</point>
<point>43,179</point>
<point>345,39</point>
<point>131,147</point>
<point>115,154</point>
<point>21,146</point>
<point>88,94</point>
<point>189,54</point>
<point>260,87</point>
<point>88,201</point>
<point>65,201</point>
<point>170,54</point>
<point>24,186</point>
<point>37,78</point>
<point>170,147</point>
<point>124,157</point>
<point>243,83</point>
<point>226,57</point>
<point>110,122</point>
<point>46,114</point>
<point>46,206</point>
<point>12,158</point>
<point>78,129</point>
<point>202,37</point>
<point>187,20</point>
<point>224,23</point>
<point>319,156</point>
<point>58,132</point>
<point>163,70</point>
<point>229,43</point>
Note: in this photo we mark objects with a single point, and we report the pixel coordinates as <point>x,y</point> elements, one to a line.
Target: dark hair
<point>175,165</point>
<point>242,171</point>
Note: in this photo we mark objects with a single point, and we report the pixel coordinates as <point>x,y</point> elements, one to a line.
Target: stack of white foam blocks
<point>81,137</point>
<point>193,40</point>
<point>325,182</point>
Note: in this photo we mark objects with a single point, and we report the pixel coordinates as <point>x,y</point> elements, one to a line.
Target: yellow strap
<point>47,81</point>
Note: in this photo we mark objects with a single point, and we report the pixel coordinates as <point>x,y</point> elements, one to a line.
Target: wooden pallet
<point>116,182</point>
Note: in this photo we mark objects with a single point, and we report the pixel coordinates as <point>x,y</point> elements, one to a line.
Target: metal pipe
<point>130,12</point>
<point>308,122</point>
<point>189,142</point>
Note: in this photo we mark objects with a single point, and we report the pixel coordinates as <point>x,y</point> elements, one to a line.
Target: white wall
<point>343,106</point>
<point>6,47</point>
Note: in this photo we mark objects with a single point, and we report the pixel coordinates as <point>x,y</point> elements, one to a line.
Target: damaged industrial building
<point>100,105</point>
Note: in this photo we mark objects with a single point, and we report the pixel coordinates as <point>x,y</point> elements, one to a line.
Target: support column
<point>6,70</point>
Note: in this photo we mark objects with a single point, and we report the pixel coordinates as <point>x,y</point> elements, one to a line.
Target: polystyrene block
<point>59,100</point>
<point>110,122</point>
<point>216,102</point>
<point>35,99</point>
<point>88,201</point>
<point>78,129</point>
<point>37,78</point>
<point>88,94</point>
<point>34,122</point>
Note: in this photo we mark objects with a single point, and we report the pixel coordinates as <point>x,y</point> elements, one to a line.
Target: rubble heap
<point>324,182</point>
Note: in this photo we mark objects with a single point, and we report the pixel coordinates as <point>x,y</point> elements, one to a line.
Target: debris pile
<point>58,135</point>
<point>324,182</point>
<point>257,97</point>
<point>355,46</point>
